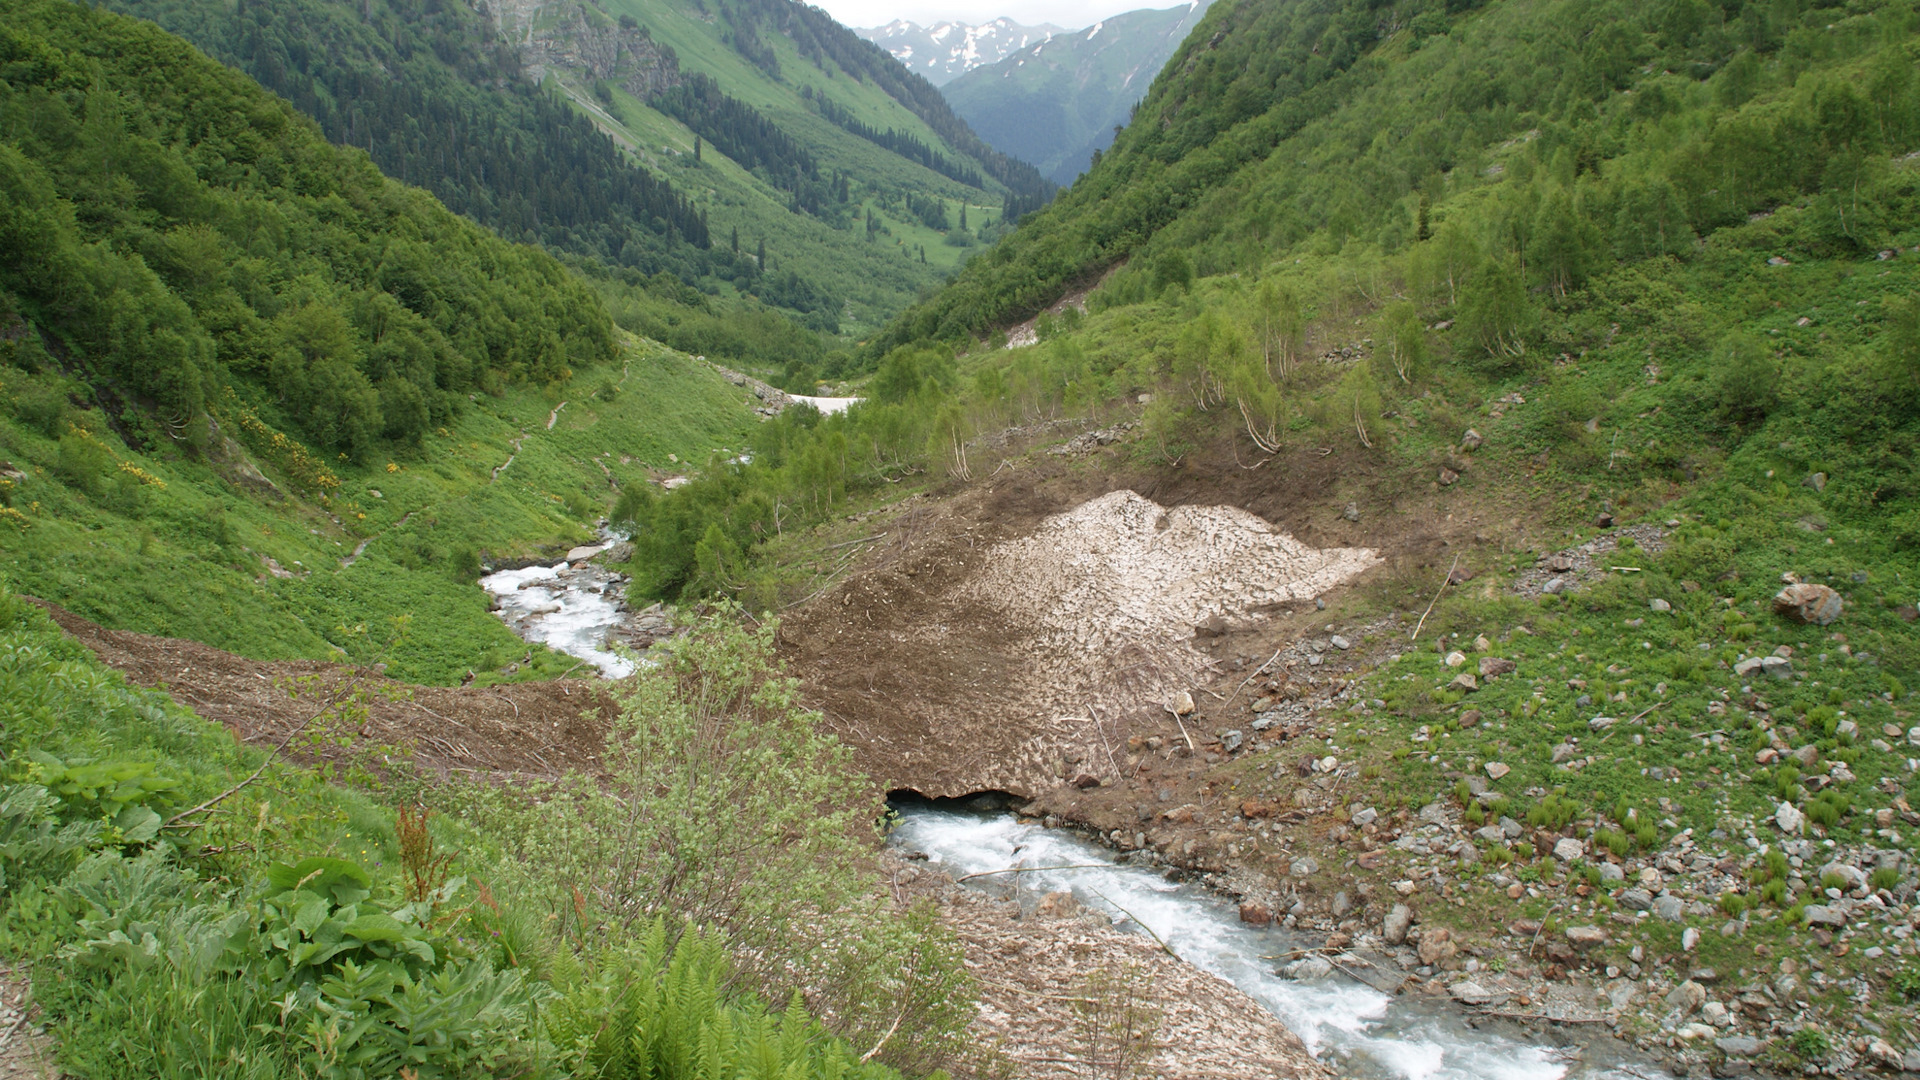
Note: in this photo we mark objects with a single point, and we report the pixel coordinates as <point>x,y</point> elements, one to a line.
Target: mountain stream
<point>1356,1029</point>
<point>1360,1031</point>
<point>568,608</point>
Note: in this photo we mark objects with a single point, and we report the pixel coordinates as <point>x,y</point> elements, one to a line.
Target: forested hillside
<point>236,354</point>
<point>1059,102</point>
<point>194,244</point>
<point>506,115</point>
<point>1721,196</point>
<point>436,98</point>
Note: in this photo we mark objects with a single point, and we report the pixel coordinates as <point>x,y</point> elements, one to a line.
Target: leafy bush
<point>1810,1043</point>
<point>726,807</point>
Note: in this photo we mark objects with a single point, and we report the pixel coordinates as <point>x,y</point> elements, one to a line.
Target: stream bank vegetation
<point>192,909</point>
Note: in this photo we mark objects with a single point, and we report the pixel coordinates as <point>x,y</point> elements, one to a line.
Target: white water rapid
<point>827,405</point>
<point>1360,1031</point>
<point>568,610</point>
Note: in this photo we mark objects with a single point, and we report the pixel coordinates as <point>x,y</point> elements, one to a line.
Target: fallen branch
<point>1256,674</point>
<point>1136,921</point>
<point>340,693</point>
<point>850,543</point>
<point>1183,728</point>
<point>868,1056</point>
<point>1035,870</point>
<point>1436,597</point>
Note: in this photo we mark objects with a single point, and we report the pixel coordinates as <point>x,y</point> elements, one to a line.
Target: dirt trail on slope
<point>540,728</point>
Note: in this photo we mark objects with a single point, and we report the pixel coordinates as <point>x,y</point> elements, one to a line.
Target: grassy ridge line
<point>187,559</point>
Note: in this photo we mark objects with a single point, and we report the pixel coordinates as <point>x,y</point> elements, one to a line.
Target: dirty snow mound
<point>1121,566</point>
<point>1110,592</point>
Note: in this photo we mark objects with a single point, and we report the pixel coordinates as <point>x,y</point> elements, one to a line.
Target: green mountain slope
<point>1479,286</point>
<point>1059,102</point>
<point>234,352</point>
<point>812,143</point>
<point>452,98</point>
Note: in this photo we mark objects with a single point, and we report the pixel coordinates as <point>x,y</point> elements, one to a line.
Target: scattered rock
<point>1689,938</point>
<point>1805,602</point>
<point>1816,481</point>
<point>1668,907</point>
<point>1212,627</point>
<point>1739,1046</point>
<point>1465,682</point>
<point>1085,781</point>
<point>1340,643</point>
<point>1496,770</point>
<point>1554,586</point>
<point>1637,900</point>
<point>1569,849</point>
<point>1491,666</point>
<point>1471,440</point>
<point>1448,476</point>
<point>1687,998</point>
<point>1790,819</point>
<point>1395,926</point>
<point>1824,915</point>
<point>1057,904</point>
<point>1436,946</point>
<point>1657,604</point>
<point>1305,866</point>
<point>1471,993</point>
<point>1181,704</point>
<point>1255,914</point>
<point>1586,937</point>
<point>1313,967</point>
<point>1455,658</point>
<point>1365,816</point>
<point>1352,512</point>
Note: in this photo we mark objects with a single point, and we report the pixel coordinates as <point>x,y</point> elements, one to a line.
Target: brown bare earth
<point>950,671</point>
<point>25,1051</point>
<point>537,728</point>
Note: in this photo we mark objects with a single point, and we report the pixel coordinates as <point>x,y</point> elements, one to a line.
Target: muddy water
<point>566,609</point>
<point>1356,1029</point>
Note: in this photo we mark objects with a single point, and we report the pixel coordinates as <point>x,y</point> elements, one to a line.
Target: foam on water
<point>828,405</point>
<point>1371,1033</point>
<point>566,609</point>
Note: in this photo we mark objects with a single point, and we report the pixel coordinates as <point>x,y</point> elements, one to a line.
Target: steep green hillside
<point>1059,102</point>
<point>449,98</point>
<point>793,138</point>
<point>234,352</point>
<point>436,98</point>
<point>1602,322</point>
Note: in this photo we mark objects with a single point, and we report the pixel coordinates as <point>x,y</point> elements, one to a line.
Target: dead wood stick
<point>1035,870</point>
<point>340,693</point>
<point>1436,597</point>
<point>1164,947</point>
<point>1256,674</point>
<point>1183,727</point>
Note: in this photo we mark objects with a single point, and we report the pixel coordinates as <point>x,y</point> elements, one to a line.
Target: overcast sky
<point>1072,14</point>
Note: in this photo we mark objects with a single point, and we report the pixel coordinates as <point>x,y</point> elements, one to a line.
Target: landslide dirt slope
<point>991,643</point>
<point>534,728</point>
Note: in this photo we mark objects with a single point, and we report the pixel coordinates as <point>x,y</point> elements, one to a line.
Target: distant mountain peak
<point>942,51</point>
